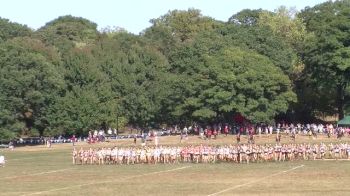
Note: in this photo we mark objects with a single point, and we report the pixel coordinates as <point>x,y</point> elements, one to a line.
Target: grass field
<point>41,171</point>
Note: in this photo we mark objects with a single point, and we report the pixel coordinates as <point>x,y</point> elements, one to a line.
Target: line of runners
<point>210,154</point>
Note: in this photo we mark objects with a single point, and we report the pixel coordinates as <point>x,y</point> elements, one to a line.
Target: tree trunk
<point>340,100</point>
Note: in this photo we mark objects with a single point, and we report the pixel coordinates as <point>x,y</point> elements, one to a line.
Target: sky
<point>132,15</point>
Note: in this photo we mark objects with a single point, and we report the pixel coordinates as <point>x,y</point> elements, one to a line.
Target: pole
<point>117,123</point>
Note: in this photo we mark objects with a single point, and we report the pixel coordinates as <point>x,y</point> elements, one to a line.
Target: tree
<point>30,80</point>
<point>69,78</point>
<point>217,78</point>
<point>9,30</point>
<point>184,25</point>
<point>135,69</point>
<point>285,23</point>
<point>327,53</point>
<point>178,27</point>
<point>246,17</point>
<point>262,40</point>
<point>67,32</point>
<point>259,90</point>
<point>88,101</point>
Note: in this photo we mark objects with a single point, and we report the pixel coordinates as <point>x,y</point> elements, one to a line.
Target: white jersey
<point>120,152</point>
<point>226,151</point>
<point>2,160</point>
<point>114,153</point>
<point>128,153</point>
<point>156,152</point>
<point>100,154</point>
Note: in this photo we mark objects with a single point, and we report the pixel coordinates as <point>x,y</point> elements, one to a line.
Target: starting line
<point>102,182</point>
<point>255,181</point>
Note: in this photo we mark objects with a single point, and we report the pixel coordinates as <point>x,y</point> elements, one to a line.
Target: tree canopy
<point>9,30</point>
<point>327,52</point>
<point>68,78</point>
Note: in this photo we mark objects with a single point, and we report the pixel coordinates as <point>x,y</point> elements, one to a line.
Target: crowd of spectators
<point>204,131</point>
<point>261,128</point>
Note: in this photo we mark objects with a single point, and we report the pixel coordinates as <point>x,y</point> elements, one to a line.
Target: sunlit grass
<point>44,171</point>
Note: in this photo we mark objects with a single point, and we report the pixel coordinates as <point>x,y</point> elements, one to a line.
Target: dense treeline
<point>67,77</point>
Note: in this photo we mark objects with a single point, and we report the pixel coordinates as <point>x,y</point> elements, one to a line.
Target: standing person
<point>328,132</point>
<point>238,137</point>
<point>251,137</point>
<point>48,142</point>
<point>2,161</point>
<point>215,133</point>
<point>74,156</point>
<point>143,140</point>
<point>11,145</point>
<point>270,129</point>
<point>181,136</point>
<point>135,138</point>
<point>278,138</point>
<point>226,130</point>
<point>293,136</point>
<point>185,131</point>
<point>176,130</point>
<point>209,133</point>
<point>73,139</point>
<point>156,139</point>
<point>90,137</point>
<point>201,133</point>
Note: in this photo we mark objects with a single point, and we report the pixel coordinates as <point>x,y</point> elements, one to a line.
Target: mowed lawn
<point>41,171</point>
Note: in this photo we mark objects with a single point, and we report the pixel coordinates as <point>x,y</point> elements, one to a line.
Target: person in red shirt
<point>73,139</point>
<point>215,133</point>
<point>209,132</point>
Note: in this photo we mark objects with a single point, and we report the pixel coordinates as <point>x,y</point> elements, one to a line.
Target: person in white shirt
<point>2,161</point>
<point>156,139</point>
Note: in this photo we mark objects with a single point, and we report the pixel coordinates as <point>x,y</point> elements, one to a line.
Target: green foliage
<point>327,53</point>
<point>178,27</point>
<point>9,30</point>
<point>261,89</point>
<point>184,25</point>
<point>68,78</point>
<point>262,40</point>
<point>87,101</point>
<point>6,134</point>
<point>134,71</point>
<point>246,17</point>
<point>284,23</point>
<point>212,78</point>
<point>29,83</point>
<point>67,32</point>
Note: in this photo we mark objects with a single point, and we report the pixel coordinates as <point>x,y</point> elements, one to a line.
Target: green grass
<point>44,171</point>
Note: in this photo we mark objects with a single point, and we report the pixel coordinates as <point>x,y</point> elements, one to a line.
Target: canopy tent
<point>344,121</point>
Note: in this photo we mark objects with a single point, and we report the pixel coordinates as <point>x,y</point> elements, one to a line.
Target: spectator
<point>135,138</point>
<point>2,161</point>
<point>73,139</point>
<point>11,145</point>
<point>48,142</point>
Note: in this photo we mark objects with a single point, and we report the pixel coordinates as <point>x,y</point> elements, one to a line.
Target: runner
<point>240,153</point>
<point>74,156</point>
